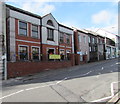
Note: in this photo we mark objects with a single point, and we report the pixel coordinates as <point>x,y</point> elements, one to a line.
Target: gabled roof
<point>48,15</point>
<point>23,11</point>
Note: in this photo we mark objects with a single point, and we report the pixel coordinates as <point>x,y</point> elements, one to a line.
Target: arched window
<point>49,22</point>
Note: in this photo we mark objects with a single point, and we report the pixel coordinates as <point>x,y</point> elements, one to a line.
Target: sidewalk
<point>115,99</point>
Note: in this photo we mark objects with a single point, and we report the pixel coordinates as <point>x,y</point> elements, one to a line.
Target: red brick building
<point>31,39</point>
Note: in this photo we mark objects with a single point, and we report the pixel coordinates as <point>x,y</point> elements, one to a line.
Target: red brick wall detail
<point>17,69</point>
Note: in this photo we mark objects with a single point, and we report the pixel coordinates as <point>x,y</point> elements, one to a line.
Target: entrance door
<point>50,52</point>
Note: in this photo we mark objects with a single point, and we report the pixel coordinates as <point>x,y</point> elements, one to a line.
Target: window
<point>89,39</point>
<point>35,53</point>
<point>49,22</point>
<point>50,52</point>
<point>94,49</point>
<point>22,28</point>
<point>62,54</point>
<point>79,38</point>
<point>34,31</point>
<point>84,39</point>
<point>93,40</point>
<point>61,37</point>
<point>90,49</point>
<point>67,39</point>
<point>68,54</point>
<point>50,34</point>
<point>23,52</point>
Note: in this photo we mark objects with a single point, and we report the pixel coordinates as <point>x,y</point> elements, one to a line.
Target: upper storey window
<point>22,28</point>
<point>49,22</point>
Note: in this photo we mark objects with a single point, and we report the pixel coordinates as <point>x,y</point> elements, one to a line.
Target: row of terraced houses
<point>30,39</point>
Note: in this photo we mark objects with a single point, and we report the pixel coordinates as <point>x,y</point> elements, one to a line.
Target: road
<point>92,82</point>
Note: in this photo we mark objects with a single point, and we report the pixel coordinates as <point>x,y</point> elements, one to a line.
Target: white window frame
<point>51,48</point>
<point>38,31</point>
<point>39,51</point>
<point>93,40</point>
<point>89,39</point>
<point>19,29</point>
<point>48,49</point>
<point>79,38</point>
<point>84,39</point>
<point>23,46</point>
<point>90,48</point>
<point>62,50</point>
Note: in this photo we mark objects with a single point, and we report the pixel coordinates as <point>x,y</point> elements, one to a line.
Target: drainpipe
<point>41,52</point>
<point>58,40</point>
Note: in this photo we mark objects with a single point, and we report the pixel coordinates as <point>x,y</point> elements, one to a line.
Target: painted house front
<point>49,31</point>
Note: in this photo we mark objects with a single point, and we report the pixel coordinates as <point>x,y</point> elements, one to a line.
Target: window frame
<point>27,52</point>
<point>48,35</point>
<point>93,40</point>
<point>61,34</point>
<point>32,52</point>
<point>79,38</point>
<point>68,37</point>
<point>19,28</point>
<point>34,31</point>
<point>89,39</point>
<point>84,37</point>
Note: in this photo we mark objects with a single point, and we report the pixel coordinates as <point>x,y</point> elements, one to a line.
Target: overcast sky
<point>90,15</point>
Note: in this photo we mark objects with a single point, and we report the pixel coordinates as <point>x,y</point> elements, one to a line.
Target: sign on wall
<point>54,57</point>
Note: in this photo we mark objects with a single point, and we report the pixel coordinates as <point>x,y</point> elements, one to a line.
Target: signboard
<point>79,53</point>
<point>54,57</point>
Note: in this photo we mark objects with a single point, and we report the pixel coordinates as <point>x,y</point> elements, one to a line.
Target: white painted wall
<point>12,40</point>
<point>44,30</point>
<point>24,17</point>
<point>49,17</point>
<point>66,30</point>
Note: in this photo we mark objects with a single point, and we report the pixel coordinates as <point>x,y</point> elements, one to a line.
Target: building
<point>23,35</point>
<point>81,44</point>
<point>110,48</point>
<point>65,42</point>
<point>31,40</point>
<point>118,45</point>
<point>101,47</point>
<point>93,46</point>
<point>49,33</point>
<point>2,40</point>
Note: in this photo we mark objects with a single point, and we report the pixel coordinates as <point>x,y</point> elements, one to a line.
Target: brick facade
<point>17,69</point>
<point>48,30</point>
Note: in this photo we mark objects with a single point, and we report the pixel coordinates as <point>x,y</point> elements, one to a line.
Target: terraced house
<point>32,40</point>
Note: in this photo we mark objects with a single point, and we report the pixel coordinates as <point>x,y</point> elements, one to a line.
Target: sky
<point>83,15</point>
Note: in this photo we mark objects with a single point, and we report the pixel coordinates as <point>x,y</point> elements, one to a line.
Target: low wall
<point>17,69</point>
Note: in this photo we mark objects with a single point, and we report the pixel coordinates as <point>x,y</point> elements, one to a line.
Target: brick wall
<point>17,69</point>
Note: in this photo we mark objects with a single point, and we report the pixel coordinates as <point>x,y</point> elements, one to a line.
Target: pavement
<point>92,82</point>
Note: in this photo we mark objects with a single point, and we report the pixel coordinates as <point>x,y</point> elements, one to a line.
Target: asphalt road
<point>92,82</point>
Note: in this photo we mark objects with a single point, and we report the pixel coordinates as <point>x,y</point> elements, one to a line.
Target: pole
<point>4,39</point>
